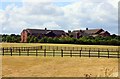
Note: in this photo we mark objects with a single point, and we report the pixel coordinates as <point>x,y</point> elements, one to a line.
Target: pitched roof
<point>43,31</point>
<point>104,32</point>
<point>90,31</point>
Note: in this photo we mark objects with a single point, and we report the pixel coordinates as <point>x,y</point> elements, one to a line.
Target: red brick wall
<point>24,36</point>
<point>21,37</point>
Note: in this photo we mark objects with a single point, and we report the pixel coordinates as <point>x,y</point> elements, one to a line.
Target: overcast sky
<point>16,15</point>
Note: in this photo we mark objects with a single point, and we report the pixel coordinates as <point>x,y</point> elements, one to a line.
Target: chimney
<point>81,31</point>
<point>45,28</point>
<point>69,31</point>
<point>86,28</point>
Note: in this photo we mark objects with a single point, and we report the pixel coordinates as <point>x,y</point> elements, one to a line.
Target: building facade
<point>39,33</point>
<point>89,32</point>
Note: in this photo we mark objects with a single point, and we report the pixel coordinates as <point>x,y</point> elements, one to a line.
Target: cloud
<point>94,15</point>
<point>75,15</point>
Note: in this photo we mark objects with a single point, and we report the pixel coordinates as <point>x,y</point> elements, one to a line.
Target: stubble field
<point>37,66</point>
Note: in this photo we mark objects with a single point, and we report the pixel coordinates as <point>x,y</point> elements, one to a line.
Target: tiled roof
<point>43,31</point>
<point>90,31</point>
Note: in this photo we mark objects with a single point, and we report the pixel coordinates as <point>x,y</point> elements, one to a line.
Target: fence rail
<point>60,51</point>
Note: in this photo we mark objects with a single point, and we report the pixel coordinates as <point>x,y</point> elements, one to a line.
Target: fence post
<point>3,51</point>
<point>108,53</point>
<point>70,53</point>
<point>18,49</point>
<point>40,47</point>
<point>19,52</point>
<point>36,52</point>
<point>81,48</point>
<point>98,53</point>
<point>11,51</point>
<point>61,53</point>
<point>80,53</point>
<point>89,52</point>
<point>44,52</point>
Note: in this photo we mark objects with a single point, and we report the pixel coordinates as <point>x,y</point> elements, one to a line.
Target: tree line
<point>11,38</point>
<point>99,40</point>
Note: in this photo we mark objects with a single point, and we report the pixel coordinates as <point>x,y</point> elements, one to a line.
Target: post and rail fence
<point>60,51</point>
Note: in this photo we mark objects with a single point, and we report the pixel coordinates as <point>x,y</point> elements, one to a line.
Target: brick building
<point>40,33</point>
<point>89,32</point>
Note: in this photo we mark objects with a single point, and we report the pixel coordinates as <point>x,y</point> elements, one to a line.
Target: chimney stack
<point>45,28</point>
<point>69,31</point>
<point>86,28</point>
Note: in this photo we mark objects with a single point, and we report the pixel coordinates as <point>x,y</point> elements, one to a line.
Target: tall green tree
<point>35,39</point>
<point>8,39</point>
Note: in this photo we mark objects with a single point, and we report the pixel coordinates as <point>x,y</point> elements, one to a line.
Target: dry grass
<point>61,45</point>
<point>29,66</point>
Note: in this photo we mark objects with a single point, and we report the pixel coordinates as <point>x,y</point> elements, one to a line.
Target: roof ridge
<point>95,29</point>
<point>44,29</point>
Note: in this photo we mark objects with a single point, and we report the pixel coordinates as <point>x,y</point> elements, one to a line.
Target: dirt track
<point>17,66</point>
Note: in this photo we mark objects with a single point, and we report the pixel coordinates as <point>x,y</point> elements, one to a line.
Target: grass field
<point>32,66</point>
<point>59,45</point>
<point>58,67</point>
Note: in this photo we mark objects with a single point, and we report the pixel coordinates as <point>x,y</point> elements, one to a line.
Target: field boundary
<point>60,51</point>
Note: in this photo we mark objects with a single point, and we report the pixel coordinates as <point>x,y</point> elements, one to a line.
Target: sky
<point>16,15</point>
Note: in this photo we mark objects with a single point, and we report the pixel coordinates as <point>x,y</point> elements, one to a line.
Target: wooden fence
<point>59,51</point>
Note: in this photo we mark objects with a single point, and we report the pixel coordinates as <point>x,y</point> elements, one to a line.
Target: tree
<point>35,39</point>
<point>17,40</point>
<point>50,40</point>
<point>13,39</point>
<point>56,40</point>
<point>31,39</point>
<point>8,39</point>
<point>28,39</point>
<point>43,40</point>
<point>3,39</point>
